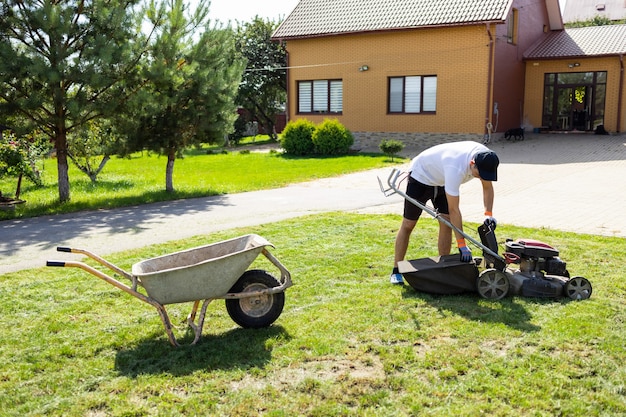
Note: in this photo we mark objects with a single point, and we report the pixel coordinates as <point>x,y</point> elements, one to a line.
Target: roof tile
<point>578,42</point>
<point>325,17</point>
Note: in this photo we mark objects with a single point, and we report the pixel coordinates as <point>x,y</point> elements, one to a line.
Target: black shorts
<point>422,193</point>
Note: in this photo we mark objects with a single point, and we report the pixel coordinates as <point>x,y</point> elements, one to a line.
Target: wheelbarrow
<point>253,298</point>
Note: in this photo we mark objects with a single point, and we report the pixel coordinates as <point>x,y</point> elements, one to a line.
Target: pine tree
<point>191,80</point>
<point>64,63</point>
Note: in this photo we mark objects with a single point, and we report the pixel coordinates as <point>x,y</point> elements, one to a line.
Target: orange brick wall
<point>535,70</point>
<point>458,56</point>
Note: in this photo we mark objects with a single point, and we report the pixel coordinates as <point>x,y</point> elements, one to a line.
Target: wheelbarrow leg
<point>197,328</point>
<point>166,323</point>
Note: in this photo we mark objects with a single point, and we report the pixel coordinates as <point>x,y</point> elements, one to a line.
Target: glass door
<point>574,101</point>
<point>564,108</point>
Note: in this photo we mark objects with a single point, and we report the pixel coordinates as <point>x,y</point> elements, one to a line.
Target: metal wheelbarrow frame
<point>254,298</point>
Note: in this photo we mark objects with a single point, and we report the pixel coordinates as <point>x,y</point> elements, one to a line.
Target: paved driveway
<point>566,182</point>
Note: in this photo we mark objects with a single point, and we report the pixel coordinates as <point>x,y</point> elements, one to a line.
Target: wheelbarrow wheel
<point>492,284</point>
<point>258,311</point>
<point>578,288</point>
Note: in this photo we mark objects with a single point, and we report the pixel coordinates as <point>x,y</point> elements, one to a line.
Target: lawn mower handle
<point>392,181</point>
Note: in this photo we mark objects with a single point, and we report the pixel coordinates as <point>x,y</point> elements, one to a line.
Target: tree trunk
<point>62,167</point>
<point>169,171</point>
<point>19,187</point>
<point>268,122</point>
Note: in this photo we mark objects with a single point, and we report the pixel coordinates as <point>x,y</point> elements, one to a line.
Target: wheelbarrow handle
<point>56,263</point>
<point>63,249</point>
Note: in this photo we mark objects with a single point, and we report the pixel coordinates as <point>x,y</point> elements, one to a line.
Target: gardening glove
<point>466,253</point>
<point>490,220</point>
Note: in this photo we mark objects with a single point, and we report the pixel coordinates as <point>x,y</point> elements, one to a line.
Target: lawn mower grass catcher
<point>529,268</point>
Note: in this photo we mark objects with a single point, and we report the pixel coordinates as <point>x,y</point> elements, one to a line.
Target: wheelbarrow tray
<point>200,273</point>
<point>440,274</point>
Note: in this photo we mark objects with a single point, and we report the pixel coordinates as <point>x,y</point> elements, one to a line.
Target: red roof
<point>579,42</point>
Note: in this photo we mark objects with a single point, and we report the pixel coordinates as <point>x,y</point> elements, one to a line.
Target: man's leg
<point>402,239</point>
<point>400,248</point>
<point>444,242</point>
<point>419,192</point>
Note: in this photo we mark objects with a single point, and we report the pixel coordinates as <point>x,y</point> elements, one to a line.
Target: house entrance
<point>574,100</point>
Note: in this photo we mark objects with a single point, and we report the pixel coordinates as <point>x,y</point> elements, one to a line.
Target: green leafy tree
<point>191,80</point>
<point>90,147</point>
<point>597,20</point>
<point>18,158</point>
<point>263,88</point>
<point>65,62</point>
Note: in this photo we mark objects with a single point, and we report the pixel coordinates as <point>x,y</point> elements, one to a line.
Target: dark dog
<point>515,134</point>
<point>600,130</point>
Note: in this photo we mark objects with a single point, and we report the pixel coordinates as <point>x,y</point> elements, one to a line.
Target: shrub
<point>391,147</point>
<point>297,137</point>
<point>332,138</point>
<point>19,155</point>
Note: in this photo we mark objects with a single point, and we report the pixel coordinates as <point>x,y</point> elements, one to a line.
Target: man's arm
<point>457,221</point>
<point>455,214</point>
<point>488,196</point>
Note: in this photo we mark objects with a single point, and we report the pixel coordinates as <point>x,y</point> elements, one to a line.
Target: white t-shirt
<point>446,165</point>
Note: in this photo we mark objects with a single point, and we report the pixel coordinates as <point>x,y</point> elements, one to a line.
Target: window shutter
<point>412,94</point>
<point>430,93</point>
<point>395,95</point>
<point>304,97</point>
<point>320,96</point>
<point>336,96</point>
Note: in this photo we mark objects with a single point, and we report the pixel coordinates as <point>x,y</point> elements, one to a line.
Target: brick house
<point>581,10</point>
<point>575,80</point>
<point>415,70</point>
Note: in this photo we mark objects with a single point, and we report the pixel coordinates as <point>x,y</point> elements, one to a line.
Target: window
<point>511,28</point>
<point>414,94</point>
<point>320,96</point>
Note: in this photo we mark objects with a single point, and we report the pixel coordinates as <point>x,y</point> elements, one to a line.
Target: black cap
<point>487,164</point>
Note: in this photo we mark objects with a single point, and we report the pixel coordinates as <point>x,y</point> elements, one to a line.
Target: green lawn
<point>140,179</point>
<point>347,343</point>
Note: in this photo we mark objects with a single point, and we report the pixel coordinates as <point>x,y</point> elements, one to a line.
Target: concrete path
<point>570,182</point>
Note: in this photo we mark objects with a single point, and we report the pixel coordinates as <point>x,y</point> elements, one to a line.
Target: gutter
<point>620,95</point>
<point>287,78</point>
<point>489,98</point>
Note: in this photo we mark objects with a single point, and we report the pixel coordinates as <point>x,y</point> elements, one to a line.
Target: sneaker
<point>396,279</point>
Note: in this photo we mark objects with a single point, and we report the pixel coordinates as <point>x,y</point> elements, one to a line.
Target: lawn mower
<point>528,267</point>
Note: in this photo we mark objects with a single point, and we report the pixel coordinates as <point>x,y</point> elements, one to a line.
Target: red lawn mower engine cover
<point>543,257</point>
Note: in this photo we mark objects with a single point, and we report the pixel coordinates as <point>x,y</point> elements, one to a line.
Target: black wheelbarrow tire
<point>492,284</point>
<point>259,311</point>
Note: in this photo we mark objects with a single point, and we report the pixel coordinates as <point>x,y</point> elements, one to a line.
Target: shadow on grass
<point>236,349</point>
<point>506,311</point>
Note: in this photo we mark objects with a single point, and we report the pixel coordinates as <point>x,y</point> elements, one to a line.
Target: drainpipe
<point>621,93</point>
<point>287,101</point>
<point>489,97</point>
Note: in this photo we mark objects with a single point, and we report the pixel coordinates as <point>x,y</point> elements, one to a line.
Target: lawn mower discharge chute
<point>529,268</point>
